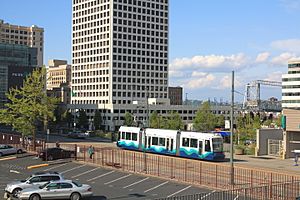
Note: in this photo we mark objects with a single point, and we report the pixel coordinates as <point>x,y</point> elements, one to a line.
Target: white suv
<point>37,179</point>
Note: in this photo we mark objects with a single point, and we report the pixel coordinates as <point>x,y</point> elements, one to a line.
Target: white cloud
<point>291,5</point>
<point>291,45</point>
<point>200,82</point>
<point>210,62</point>
<point>274,76</point>
<point>262,57</point>
<point>282,59</point>
<point>226,82</point>
<point>198,74</point>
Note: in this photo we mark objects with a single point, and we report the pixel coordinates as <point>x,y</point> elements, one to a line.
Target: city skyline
<point>208,40</point>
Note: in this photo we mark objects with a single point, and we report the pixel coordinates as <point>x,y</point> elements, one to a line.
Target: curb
<point>37,166</point>
<point>8,158</point>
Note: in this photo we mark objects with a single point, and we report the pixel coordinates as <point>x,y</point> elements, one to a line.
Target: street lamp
<point>231,130</point>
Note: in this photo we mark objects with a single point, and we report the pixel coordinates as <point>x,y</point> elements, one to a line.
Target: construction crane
<point>252,98</point>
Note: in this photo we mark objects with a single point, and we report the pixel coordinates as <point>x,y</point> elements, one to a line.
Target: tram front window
<point>217,144</point>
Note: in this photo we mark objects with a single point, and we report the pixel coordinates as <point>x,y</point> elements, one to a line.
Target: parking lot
<point>106,183</point>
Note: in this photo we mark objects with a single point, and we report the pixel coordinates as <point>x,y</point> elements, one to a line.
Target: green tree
<point>174,121</point>
<point>220,120</point>
<point>205,120</point>
<point>83,119</point>
<point>29,105</point>
<point>68,118</point>
<point>128,119</point>
<point>154,120</point>
<point>97,120</point>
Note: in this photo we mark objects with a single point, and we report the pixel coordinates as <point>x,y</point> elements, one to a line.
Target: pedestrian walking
<point>91,151</point>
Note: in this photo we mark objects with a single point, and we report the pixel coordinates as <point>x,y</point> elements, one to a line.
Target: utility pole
<point>231,130</point>
<point>148,119</point>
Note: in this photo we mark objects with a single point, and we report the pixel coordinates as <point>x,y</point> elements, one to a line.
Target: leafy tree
<point>97,120</point>
<point>154,120</point>
<point>68,118</point>
<point>82,119</point>
<point>205,120</point>
<point>175,121</point>
<point>29,105</point>
<point>220,120</point>
<point>128,119</point>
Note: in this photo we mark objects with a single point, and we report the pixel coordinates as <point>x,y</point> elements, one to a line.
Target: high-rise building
<point>32,36</point>
<point>16,62</point>
<point>119,51</point>
<point>58,73</point>
<point>175,95</point>
<point>291,86</point>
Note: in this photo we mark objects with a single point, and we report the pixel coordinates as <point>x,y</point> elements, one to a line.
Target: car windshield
<point>27,179</point>
<point>77,184</point>
<point>42,186</point>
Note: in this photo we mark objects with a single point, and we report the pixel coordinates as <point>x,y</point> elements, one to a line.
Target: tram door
<point>200,147</point>
<point>169,144</point>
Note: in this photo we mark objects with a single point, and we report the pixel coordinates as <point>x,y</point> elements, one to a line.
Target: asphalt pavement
<point>106,183</point>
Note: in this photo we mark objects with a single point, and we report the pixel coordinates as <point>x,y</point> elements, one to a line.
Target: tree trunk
<point>33,139</point>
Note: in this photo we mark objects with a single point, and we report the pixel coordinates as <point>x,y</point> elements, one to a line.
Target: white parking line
<point>57,166</point>
<point>73,169</point>
<point>136,183</point>
<point>208,194</point>
<point>100,175</point>
<point>236,197</point>
<point>84,173</point>
<point>117,179</point>
<point>179,191</point>
<point>14,171</point>
<point>156,187</point>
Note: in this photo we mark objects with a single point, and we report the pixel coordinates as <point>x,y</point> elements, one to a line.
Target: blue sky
<point>208,39</point>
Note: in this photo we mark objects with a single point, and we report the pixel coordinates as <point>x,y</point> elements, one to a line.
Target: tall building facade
<point>291,86</point>
<point>58,73</point>
<point>119,51</point>
<point>175,95</point>
<point>16,62</point>
<point>32,36</point>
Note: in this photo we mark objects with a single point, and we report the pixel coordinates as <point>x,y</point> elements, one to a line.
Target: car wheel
<point>16,191</point>
<point>75,196</point>
<point>34,197</point>
<point>50,158</point>
<point>19,151</point>
<point>1,154</point>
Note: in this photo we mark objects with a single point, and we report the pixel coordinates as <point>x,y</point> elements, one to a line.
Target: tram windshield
<point>217,144</point>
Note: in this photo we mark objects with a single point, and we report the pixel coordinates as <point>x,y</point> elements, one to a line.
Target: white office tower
<point>120,51</point>
<point>291,86</point>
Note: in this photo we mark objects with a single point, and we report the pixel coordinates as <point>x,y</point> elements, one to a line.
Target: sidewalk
<point>267,163</point>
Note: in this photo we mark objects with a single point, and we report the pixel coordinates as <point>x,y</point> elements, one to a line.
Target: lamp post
<point>231,130</point>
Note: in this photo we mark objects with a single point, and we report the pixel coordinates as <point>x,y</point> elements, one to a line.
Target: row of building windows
<point>140,2</point>
<point>22,32</point>
<point>295,65</point>
<point>91,66</point>
<point>290,86</point>
<point>97,37</point>
<point>152,67</point>
<point>90,59</point>
<point>137,87</point>
<point>90,87</point>
<point>290,101</point>
<point>129,15</point>
<point>90,45</point>
<point>89,80</point>
<point>293,72</point>
<point>135,45</point>
<point>91,52</point>
<point>290,79</point>
<point>90,25</point>
<point>291,94</point>
<point>140,80</point>
<point>138,94</point>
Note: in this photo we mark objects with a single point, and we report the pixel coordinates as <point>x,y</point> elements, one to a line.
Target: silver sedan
<point>65,189</point>
<point>8,149</point>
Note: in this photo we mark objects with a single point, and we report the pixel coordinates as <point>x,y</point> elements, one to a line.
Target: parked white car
<point>8,149</point>
<point>64,189</point>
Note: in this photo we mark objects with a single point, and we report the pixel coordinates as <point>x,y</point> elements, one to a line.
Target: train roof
<point>193,134</point>
<point>130,129</point>
<point>161,132</point>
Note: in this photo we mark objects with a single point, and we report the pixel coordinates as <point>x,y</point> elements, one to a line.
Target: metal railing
<point>285,191</point>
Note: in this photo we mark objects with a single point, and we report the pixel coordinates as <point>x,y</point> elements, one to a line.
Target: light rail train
<point>197,145</point>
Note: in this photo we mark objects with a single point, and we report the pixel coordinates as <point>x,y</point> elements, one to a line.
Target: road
<point>106,183</point>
